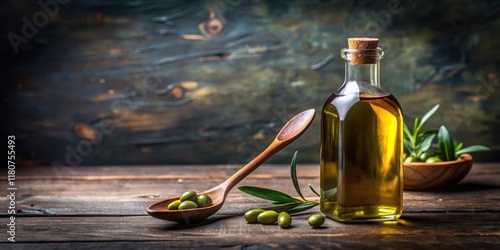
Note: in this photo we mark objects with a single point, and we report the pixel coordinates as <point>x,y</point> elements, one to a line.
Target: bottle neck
<point>367,73</point>
<point>362,75</point>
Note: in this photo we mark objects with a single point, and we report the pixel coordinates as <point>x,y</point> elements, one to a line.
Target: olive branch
<point>284,202</point>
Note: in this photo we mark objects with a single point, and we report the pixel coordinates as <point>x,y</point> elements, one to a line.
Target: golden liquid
<point>361,158</point>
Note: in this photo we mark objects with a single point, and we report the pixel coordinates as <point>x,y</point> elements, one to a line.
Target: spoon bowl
<point>159,209</point>
<point>290,131</point>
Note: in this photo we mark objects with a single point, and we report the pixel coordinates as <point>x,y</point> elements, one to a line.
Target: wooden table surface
<point>104,207</point>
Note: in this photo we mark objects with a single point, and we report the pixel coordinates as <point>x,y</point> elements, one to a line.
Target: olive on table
<point>187,205</point>
<point>251,215</point>
<point>316,220</point>
<point>267,217</point>
<point>203,200</point>
<point>188,196</point>
<point>284,220</point>
<point>174,205</point>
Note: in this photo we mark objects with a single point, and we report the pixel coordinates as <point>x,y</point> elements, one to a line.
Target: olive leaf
<point>471,149</point>
<point>428,115</point>
<point>283,207</point>
<point>268,194</point>
<point>284,202</point>
<point>426,144</point>
<point>408,146</point>
<point>449,151</point>
<point>303,207</point>
<point>312,189</point>
<point>293,175</point>
<point>446,144</point>
<point>407,132</point>
<point>292,207</point>
<point>415,142</point>
<point>429,132</point>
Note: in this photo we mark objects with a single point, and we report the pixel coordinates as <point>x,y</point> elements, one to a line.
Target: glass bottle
<point>361,142</point>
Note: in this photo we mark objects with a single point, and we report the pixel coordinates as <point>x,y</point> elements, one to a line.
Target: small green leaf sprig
<point>419,145</point>
<point>284,202</point>
<point>450,152</point>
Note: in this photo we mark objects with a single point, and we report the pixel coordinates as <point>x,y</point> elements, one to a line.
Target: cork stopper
<point>369,53</point>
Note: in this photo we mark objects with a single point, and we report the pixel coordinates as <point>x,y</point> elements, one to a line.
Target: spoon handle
<point>290,131</point>
<point>272,149</point>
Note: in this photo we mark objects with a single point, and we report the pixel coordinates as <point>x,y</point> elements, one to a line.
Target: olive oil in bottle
<point>361,143</point>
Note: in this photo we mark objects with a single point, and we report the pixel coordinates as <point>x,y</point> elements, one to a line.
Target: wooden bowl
<point>426,176</point>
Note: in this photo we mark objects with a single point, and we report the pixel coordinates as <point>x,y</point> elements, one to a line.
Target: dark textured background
<point>125,70</point>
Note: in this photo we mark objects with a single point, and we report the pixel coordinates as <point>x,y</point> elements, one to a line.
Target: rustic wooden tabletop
<point>104,207</point>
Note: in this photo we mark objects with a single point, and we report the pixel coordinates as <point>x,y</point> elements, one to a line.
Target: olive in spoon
<point>291,131</point>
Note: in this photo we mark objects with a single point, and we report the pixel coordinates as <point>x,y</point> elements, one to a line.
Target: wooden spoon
<point>291,131</point>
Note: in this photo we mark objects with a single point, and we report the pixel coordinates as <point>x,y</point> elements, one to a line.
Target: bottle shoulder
<point>361,88</point>
<point>343,103</point>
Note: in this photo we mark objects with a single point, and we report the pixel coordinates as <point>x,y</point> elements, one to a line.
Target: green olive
<point>284,220</point>
<point>203,200</point>
<point>174,205</point>
<point>267,217</point>
<point>423,157</point>
<point>433,159</point>
<point>188,196</point>
<point>410,159</point>
<point>251,215</point>
<point>187,205</point>
<point>316,220</point>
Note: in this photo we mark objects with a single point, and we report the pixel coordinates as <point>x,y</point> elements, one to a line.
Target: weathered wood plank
<point>236,204</point>
<point>92,208</point>
<point>223,230</point>
<point>160,172</point>
<point>92,193</point>
<point>389,242</point>
<point>164,171</point>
